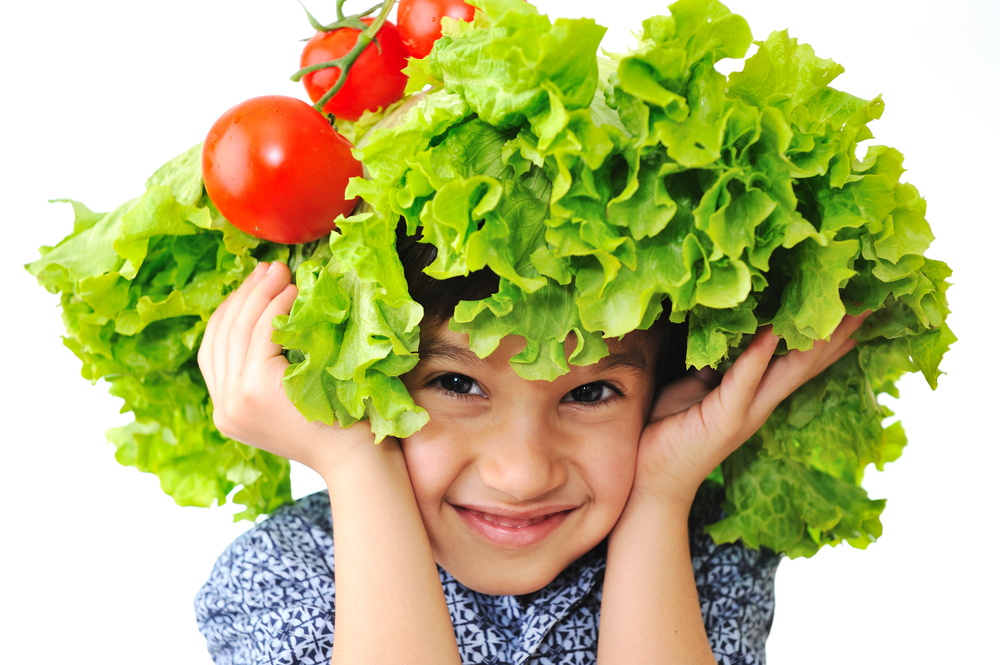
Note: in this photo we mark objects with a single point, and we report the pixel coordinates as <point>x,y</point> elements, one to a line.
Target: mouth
<point>512,522</point>
<point>513,530</point>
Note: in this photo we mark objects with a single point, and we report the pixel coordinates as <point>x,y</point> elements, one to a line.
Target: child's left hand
<point>698,421</point>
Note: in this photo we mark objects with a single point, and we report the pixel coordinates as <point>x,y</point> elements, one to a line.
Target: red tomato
<point>275,168</point>
<point>420,22</point>
<point>375,80</point>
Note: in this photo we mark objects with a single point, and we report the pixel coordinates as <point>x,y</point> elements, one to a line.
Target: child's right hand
<point>243,369</point>
<point>376,522</point>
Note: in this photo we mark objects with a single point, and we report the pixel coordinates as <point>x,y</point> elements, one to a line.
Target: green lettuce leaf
<point>725,204</point>
<point>605,193</point>
<point>137,286</point>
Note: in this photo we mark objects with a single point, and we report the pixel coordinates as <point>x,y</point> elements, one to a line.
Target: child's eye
<point>592,393</point>
<point>459,384</point>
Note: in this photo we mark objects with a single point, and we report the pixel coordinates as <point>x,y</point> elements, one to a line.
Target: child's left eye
<point>592,393</point>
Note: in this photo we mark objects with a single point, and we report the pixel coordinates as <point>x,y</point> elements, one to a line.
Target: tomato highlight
<point>276,169</point>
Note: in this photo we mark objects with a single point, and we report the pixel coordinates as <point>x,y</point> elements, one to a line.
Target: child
<point>523,518</point>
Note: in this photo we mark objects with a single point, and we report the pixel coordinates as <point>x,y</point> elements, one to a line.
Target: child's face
<point>516,479</point>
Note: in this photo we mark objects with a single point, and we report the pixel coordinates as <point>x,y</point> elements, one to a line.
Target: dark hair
<point>439,297</point>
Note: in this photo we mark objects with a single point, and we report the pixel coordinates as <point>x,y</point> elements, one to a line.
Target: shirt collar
<point>528,623</point>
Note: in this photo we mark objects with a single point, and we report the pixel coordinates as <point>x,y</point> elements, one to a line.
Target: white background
<point>96,561</point>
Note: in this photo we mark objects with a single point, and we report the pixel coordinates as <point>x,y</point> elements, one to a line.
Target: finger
<point>818,358</point>
<point>239,296</point>
<point>221,338</point>
<point>840,343</point>
<point>270,284</point>
<point>824,353</point>
<point>206,355</point>
<point>262,349</point>
<point>265,362</point>
<point>727,405</point>
<point>788,373</point>
<point>831,358</point>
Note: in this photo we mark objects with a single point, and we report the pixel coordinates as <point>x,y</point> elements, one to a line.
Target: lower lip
<point>510,537</point>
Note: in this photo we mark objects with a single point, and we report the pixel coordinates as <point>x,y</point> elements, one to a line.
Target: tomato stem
<point>366,37</point>
<point>352,21</point>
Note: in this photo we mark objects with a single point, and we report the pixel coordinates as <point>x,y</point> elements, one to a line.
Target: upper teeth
<point>499,521</point>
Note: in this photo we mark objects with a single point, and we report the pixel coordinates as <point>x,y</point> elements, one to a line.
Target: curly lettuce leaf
<point>723,204</point>
<point>605,194</point>
<point>355,345</point>
<point>137,286</point>
<point>519,65</point>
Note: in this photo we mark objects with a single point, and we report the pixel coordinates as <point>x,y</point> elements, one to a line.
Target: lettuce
<point>137,286</point>
<point>605,194</point>
<point>606,197</point>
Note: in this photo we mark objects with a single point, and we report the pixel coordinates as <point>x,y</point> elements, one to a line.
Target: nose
<point>523,459</point>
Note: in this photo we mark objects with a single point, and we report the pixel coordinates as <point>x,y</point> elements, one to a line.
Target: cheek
<point>610,475</point>
<point>608,468</point>
<point>434,465</point>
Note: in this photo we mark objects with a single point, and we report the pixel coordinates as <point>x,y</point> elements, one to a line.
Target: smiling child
<point>522,517</point>
<point>538,489</point>
<point>501,311</point>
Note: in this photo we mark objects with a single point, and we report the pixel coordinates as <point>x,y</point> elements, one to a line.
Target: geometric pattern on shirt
<point>270,599</point>
<point>735,587</point>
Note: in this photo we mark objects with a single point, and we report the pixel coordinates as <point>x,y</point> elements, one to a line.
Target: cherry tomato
<point>420,22</point>
<point>275,168</point>
<point>375,79</point>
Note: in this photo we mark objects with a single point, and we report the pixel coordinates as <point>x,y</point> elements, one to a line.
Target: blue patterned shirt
<point>270,599</point>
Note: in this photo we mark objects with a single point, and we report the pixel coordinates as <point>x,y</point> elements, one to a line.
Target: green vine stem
<point>366,37</point>
<point>352,21</point>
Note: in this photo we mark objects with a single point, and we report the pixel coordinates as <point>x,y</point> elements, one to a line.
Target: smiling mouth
<point>511,522</point>
<point>514,532</point>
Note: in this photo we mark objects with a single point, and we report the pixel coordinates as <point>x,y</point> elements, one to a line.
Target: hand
<point>375,619</point>
<point>243,369</point>
<point>698,421</point>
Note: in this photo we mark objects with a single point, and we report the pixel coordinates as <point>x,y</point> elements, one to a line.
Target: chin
<point>503,576</point>
<point>494,585</point>
<point>519,568</point>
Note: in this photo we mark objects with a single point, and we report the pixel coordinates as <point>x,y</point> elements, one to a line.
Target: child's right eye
<point>459,384</point>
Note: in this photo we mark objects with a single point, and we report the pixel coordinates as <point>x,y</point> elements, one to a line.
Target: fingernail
<point>257,267</point>
<point>272,266</point>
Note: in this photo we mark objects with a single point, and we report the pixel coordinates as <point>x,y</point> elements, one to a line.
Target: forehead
<point>634,352</point>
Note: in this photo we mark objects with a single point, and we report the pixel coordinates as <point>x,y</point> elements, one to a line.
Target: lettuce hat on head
<point>608,193</point>
<point>604,194</point>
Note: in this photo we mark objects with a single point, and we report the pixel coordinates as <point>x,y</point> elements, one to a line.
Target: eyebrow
<point>630,358</point>
<point>434,349</point>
